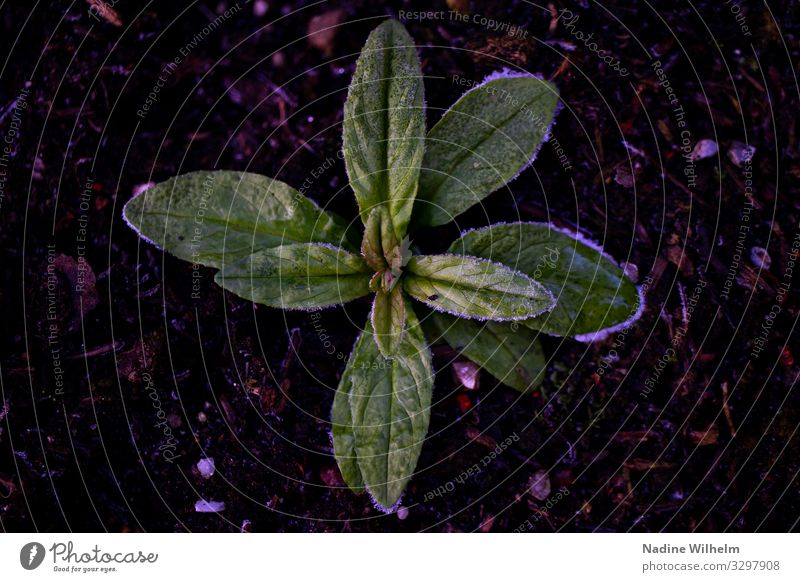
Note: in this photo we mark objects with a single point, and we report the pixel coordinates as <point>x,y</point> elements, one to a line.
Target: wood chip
<point>645,465</point>
<point>701,438</point>
<point>727,409</point>
<point>632,436</point>
<point>474,434</point>
<point>99,9</point>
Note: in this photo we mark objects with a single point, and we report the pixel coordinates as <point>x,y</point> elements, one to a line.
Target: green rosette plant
<point>273,246</point>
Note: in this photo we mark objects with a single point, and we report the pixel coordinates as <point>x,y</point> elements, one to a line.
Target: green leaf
<point>389,414</point>
<point>298,276</point>
<point>211,218</point>
<point>380,246</point>
<point>594,295</point>
<point>344,439</point>
<point>475,288</point>
<point>384,125</point>
<point>488,137</point>
<point>371,244</point>
<point>388,320</point>
<point>509,352</point>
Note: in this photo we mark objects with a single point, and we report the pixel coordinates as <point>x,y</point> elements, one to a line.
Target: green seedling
<point>489,296</point>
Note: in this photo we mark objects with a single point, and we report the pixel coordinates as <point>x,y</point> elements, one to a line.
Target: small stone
<point>201,417</point>
<point>206,467</point>
<point>260,8</point>
<point>322,30</point>
<point>760,257</point>
<point>739,153</point>
<point>402,513</point>
<point>539,485</point>
<point>203,506</point>
<point>623,176</point>
<point>467,374</point>
<point>705,148</point>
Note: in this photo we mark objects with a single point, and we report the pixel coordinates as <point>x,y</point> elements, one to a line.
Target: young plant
<point>275,247</point>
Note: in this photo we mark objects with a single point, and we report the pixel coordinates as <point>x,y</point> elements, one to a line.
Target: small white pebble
<point>468,374</point>
<point>740,153</point>
<point>760,257</point>
<point>206,467</point>
<point>203,506</point>
<point>201,417</point>
<point>539,485</point>
<point>260,8</point>
<point>705,148</point>
<point>402,513</point>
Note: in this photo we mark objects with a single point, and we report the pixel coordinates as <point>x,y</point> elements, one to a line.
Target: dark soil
<point>681,425</point>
